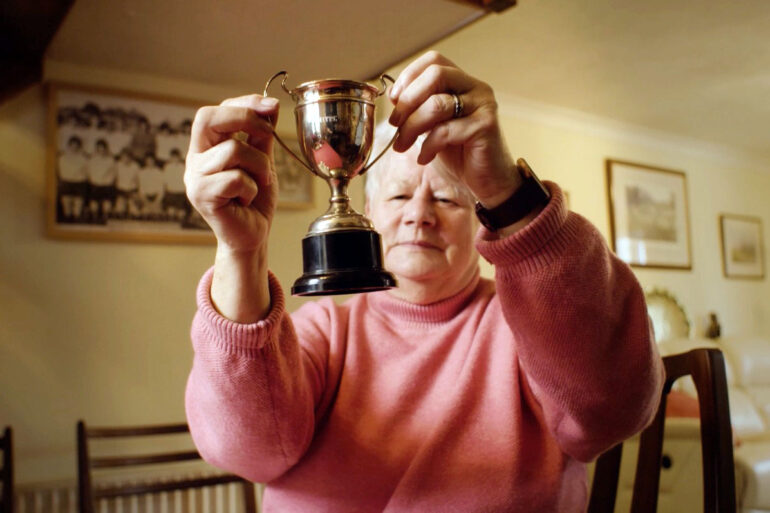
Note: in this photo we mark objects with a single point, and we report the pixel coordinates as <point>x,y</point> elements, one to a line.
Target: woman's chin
<point>415,273</point>
<point>416,264</point>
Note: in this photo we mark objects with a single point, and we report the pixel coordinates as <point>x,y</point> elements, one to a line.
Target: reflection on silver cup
<point>342,253</point>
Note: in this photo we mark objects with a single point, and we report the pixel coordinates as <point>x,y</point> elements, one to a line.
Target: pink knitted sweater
<point>488,401</point>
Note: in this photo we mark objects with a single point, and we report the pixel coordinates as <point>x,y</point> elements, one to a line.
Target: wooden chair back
<point>6,472</point>
<point>89,492</point>
<point>707,368</point>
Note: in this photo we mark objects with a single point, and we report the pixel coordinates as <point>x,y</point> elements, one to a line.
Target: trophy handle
<point>383,77</point>
<point>277,137</point>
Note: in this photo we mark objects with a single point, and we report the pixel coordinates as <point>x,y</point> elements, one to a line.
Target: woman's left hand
<point>470,144</point>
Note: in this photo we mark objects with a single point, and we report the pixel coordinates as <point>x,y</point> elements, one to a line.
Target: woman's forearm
<point>239,289</point>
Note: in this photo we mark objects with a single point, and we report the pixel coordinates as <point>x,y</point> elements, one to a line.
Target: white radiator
<point>62,498</point>
<point>46,498</point>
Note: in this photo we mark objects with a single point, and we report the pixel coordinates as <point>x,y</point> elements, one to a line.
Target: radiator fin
<point>62,498</point>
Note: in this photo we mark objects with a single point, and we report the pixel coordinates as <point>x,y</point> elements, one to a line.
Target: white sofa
<point>748,375</point>
<point>748,360</point>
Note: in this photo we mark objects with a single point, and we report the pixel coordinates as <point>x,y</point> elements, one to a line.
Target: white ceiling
<point>695,69</point>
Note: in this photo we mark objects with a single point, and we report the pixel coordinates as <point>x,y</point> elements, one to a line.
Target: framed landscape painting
<point>742,247</point>
<point>649,220</point>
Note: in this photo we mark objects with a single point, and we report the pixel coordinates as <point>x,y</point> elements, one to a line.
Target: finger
<point>214,191</point>
<point>232,154</point>
<point>266,106</point>
<point>437,109</point>
<point>444,135</point>
<point>415,69</point>
<point>434,80</point>
<point>213,125</point>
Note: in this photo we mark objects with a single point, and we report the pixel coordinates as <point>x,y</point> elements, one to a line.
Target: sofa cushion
<point>761,398</point>
<point>744,416</point>
<point>749,358</point>
<point>751,461</point>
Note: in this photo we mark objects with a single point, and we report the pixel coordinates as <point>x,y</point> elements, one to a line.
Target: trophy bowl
<point>341,253</point>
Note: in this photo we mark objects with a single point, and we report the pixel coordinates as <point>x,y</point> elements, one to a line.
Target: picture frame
<point>743,254</point>
<point>115,167</point>
<point>295,181</point>
<point>649,215</point>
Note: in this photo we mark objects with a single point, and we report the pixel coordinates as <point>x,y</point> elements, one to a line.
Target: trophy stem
<point>339,202</point>
<point>340,215</point>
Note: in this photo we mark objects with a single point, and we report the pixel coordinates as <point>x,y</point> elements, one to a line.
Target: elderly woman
<point>450,392</point>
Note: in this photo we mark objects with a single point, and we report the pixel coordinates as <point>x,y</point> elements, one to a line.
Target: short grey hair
<point>383,133</point>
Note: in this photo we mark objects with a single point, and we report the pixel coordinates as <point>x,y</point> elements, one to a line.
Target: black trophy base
<point>343,262</point>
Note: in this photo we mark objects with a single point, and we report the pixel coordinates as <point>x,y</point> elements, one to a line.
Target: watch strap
<point>530,195</point>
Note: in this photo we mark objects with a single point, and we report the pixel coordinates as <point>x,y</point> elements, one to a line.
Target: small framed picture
<point>116,164</point>
<point>295,181</point>
<point>649,220</point>
<point>742,247</point>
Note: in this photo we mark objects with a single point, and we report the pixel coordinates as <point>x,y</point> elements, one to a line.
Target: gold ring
<point>458,106</point>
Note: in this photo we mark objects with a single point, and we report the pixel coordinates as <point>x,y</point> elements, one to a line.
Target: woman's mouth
<point>418,244</point>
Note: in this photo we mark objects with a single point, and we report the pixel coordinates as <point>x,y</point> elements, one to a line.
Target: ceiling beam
<point>485,7</point>
<point>490,5</point>
<point>26,29</point>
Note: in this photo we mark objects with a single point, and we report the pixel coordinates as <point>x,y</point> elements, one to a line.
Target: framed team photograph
<point>116,164</point>
<point>649,220</point>
<point>742,247</point>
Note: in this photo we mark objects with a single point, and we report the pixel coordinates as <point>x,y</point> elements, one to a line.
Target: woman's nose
<point>420,211</point>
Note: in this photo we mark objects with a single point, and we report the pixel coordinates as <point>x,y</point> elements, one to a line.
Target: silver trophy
<point>341,253</point>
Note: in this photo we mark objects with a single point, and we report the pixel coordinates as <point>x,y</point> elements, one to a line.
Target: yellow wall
<point>99,331</point>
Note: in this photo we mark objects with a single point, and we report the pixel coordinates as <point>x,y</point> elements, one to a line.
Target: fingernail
<point>395,118</point>
<point>394,91</point>
<point>397,143</point>
<point>269,102</point>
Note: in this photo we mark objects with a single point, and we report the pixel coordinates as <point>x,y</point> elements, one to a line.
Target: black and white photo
<point>117,167</point>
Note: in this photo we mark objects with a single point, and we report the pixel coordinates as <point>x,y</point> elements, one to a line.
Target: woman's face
<point>426,223</point>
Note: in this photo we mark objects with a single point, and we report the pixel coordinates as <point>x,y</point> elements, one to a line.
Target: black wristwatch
<point>524,200</point>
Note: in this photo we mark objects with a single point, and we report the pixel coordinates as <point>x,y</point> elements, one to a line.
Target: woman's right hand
<point>232,181</point>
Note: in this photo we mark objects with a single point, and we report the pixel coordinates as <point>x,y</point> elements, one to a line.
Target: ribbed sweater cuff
<point>536,245</point>
<point>233,336</point>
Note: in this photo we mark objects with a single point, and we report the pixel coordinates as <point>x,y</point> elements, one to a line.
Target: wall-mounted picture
<point>649,219</point>
<point>742,247</point>
<point>295,182</point>
<point>116,167</point>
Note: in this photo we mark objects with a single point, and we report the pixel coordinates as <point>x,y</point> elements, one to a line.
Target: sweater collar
<point>395,308</point>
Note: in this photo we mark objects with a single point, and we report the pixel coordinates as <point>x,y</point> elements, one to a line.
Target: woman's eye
<point>398,197</point>
<point>446,201</point>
